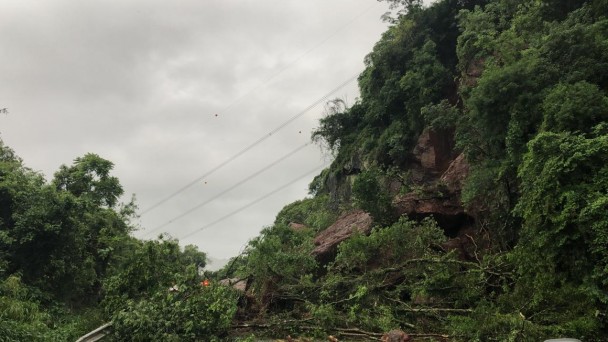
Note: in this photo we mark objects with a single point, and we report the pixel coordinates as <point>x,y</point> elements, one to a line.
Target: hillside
<point>467,201</point>
<point>468,194</point>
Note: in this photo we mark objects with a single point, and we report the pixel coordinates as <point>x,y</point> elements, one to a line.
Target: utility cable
<point>259,199</point>
<point>250,146</point>
<point>239,99</point>
<point>241,182</point>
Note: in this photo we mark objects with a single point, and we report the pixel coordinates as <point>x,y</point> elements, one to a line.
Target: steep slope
<point>468,197</point>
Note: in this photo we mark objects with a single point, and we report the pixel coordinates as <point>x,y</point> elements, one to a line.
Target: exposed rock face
<point>426,204</point>
<point>439,189</point>
<point>438,198</point>
<point>473,71</point>
<point>437,173</point>
<point>435,150</point>
<point>446,209</point>
<point>456,173</point>
<point>328,240</point>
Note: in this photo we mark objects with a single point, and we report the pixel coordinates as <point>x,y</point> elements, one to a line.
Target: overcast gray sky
<point>169,90</point>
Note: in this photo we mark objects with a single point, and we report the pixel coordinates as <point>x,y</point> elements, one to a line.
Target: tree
<point>574,107</point>
<point>562,249</point>
<point>192,256</point>
<point>370,194</point>
<point>60,237</point>
<point>192,313</point>
<point>90,178</point>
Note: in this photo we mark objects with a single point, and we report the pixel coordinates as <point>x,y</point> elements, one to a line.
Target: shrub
<point>192,313</point>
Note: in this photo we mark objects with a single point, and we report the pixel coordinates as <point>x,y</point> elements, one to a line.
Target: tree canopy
<point>514,95</point>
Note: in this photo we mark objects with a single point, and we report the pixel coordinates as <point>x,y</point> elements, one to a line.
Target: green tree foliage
<point>441,116</point>
<point>192,256</point>
<point>150,267</point>
<point>314,213</point>
<point>280,255</point>
<point>393,279</point>
<point>578,47</point>
<point>59,242</point>
<point>334,128</point>
<point>523,74</point>
<point>563,241</point>
<point>21,318</point>
<point>24,316</point>
<point>412,66</point>
<point>89,178</point>
<point>68,242</point>
<point>370,194</point>
<point>574,107</point>
<point>191,313</point>
<point>523,85</point>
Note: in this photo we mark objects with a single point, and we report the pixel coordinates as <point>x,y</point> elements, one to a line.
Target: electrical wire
<point>239,183</point>
<point>239,99</point>
<point>250,146</point>
<point>259,199</point>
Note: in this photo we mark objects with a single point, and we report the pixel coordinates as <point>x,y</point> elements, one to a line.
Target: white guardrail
<point>96,334</point>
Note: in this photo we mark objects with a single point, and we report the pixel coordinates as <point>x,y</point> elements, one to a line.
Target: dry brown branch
<point>476,248</point>
<point>358,331</point>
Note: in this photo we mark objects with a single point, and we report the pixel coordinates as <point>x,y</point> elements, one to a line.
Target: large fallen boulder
<point>327,241</point>
<point>439,195</point>
<point>414,203</point>
<point>440,203</point>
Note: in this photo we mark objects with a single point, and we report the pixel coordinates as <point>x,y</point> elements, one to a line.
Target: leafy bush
<point>279,255</point>
<point>377,282</point>
<point>562,251</point>
<point>389,246</point>
<point>151,266</point>
<point>312,212</point>
<point>574,107</point>
<point>370,194</point>
<point>193,313</point>
<point>24,318</point>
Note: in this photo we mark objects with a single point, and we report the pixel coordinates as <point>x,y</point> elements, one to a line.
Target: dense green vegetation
<point>518,87</point>
<point>522,86</point>
<point>68,263</point>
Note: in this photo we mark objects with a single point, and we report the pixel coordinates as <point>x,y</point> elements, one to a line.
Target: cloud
<point>169,90</point>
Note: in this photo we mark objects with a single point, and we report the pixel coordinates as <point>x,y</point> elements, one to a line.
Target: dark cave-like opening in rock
<point>450,224</point>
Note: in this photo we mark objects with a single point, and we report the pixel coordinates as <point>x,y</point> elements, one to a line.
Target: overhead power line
<point>250,146</point>
<point>290,64</point>
<point>241,182</point>
<point>259,199</point>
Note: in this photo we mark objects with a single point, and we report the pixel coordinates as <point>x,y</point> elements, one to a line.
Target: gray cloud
<point>140,83</point>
